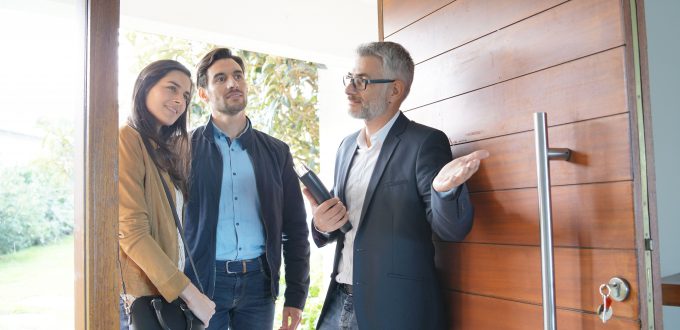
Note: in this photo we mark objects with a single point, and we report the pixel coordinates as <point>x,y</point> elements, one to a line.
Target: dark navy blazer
<point>395,284</point>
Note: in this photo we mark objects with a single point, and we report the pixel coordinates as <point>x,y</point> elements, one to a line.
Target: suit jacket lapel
<point>390,144</point>
<point>348,151</point>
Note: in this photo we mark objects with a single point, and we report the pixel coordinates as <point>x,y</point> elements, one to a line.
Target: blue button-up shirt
<point>240,234</point>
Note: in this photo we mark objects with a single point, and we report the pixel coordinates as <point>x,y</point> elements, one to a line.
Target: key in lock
<point>603,314</point>
<point>605,310</point>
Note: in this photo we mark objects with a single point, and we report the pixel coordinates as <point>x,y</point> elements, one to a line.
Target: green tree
<point>282,102</point>
<point>36,200</point>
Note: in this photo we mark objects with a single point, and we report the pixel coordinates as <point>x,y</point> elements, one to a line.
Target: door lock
<point>620,289</point>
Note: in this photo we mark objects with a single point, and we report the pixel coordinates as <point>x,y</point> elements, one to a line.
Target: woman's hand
<point>198,303</point>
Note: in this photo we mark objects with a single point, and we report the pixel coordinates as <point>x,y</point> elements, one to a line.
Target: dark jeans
<point>340,313</point>
<point>244,300</point>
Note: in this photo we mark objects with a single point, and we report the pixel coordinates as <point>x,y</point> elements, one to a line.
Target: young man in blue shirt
<point>244,207</point>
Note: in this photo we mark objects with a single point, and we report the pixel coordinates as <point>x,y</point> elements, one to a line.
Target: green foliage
<point>282,102</point>
<point>33,211</point>
<point>59,159</point>
<point>315,297</point>
<point>36,200</point>
<point>282,92</point>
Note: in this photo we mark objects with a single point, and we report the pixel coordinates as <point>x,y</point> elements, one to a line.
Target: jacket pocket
<point>405,277</point>
<point>393,183</point>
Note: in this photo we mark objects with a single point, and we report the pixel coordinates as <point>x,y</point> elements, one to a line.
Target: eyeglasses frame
<point>368,81</point>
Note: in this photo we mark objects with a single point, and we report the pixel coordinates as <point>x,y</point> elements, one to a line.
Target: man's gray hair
<point>396,61</point>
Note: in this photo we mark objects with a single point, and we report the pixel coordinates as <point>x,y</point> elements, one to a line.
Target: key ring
<point>609,290</point>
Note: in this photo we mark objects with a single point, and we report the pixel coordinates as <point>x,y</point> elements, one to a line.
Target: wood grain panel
<point>468,311</point>
<point>514,272</point>
<point>432,35</point>
<point>600,153</point>
<point>590,215</point>
<point>400,13</point>
<point>583,89</point>
<point>96,279</point>
<point>671,290</point>
<point>575,29</point>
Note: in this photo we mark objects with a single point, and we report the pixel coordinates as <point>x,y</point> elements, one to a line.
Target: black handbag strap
<point>174,214</point>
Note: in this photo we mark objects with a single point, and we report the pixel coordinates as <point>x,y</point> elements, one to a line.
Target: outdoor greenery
<point>36,200</point>
<point>37,285</point>
<point>315,297</point>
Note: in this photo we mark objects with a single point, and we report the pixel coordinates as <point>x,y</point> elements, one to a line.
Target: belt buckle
<point>244,268</point>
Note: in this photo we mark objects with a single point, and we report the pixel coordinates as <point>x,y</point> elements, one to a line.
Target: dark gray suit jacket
<point>395,284</point>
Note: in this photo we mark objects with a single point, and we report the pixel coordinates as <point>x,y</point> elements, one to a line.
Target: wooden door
<point>482,69</point>
<point>96,173</point>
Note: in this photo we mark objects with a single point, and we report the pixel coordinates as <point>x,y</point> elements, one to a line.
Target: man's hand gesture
<point>458,171</point>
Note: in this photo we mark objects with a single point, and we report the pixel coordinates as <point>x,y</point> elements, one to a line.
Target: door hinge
<point>649,244</point>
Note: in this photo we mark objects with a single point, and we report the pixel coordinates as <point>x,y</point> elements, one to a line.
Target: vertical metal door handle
<point>543,155</point>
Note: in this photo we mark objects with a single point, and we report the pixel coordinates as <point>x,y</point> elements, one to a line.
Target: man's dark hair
<point>208,60</point>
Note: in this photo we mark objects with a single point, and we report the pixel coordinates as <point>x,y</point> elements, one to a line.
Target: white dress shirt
<point>355,192</point>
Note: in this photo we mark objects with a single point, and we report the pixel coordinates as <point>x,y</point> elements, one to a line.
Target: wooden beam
<point>97,172</point>
<point>381,28</point>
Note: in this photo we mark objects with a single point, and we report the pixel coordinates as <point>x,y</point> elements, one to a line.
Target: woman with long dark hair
<point>151,251</point>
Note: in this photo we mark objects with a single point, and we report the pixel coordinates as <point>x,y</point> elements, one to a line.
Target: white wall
<point>323,31</point>
<point>663,30</point>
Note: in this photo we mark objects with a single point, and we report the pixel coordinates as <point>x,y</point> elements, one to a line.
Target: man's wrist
<point>449,194</point>
<point>325,233</point>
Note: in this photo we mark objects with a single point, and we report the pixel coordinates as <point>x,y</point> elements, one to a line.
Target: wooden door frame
<point>646,224</point>
<point>96,172</point>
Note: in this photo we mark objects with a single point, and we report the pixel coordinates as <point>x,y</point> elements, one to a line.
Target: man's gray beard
<point>369,112</point>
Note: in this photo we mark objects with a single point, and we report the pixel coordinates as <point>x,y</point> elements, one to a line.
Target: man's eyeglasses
<point>360,83</point>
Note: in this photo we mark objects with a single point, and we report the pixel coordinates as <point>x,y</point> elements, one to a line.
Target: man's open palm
<point>459,170</point>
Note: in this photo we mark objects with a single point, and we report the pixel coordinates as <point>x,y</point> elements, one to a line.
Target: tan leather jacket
<point>147,231</point>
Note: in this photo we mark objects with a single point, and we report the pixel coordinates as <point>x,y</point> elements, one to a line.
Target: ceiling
<point>323,31</point>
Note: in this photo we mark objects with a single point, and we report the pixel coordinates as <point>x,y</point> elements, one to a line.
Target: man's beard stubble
<point>371,110</point>
<point>232,110</point>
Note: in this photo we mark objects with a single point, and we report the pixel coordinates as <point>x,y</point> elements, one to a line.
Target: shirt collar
<point>217,132</point>
<point>379,137</point>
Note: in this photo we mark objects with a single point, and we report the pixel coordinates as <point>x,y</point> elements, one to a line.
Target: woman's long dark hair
<point>172,154</point>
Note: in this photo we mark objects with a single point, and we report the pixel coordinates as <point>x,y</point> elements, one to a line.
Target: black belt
<point>240,266</point>
<point>345,288</point>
